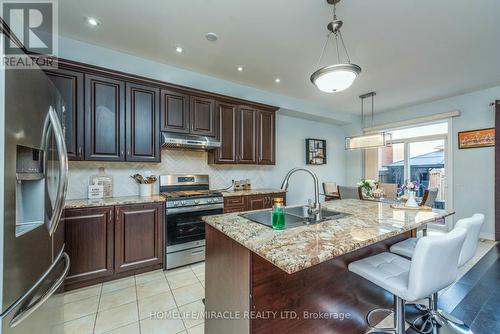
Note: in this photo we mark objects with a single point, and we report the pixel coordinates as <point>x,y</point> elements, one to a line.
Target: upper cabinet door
<point>143,129</point>
<point>105,119</point>
<point>227,117</point>
<point>266,138</point>
<point>202,116</point>
<point>174,112</point>
<point>70,86</point>
<point>247,139</point>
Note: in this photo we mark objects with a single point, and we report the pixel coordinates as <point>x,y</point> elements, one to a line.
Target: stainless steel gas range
<point>188,200</point>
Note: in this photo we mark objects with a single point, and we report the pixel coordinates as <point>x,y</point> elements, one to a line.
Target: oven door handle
<point>196,208</point>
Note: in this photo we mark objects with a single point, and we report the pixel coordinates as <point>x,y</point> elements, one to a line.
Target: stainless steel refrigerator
<point>34,166</point>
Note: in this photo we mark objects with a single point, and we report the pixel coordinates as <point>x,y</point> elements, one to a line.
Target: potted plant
<point>368,186</point>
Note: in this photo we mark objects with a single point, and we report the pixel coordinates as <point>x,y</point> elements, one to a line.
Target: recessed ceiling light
<point>179,49</point>
<point>92,21</point>
<point>240,68</point>
<point>277,80</point>
<point>211,37</point>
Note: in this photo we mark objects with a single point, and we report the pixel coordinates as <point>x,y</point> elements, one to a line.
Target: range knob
<point>183,202</point>
<point>175,203</point>
<point>196,202</point>
<point>209,200</point>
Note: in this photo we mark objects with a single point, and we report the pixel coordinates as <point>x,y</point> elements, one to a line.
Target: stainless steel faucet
<point>315,208</point>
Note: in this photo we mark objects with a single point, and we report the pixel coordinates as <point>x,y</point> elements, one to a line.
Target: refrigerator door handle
<point>23,313</point>
<point>53,120</point>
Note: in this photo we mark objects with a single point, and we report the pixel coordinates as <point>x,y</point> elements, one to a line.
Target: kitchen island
<point>296,281</point>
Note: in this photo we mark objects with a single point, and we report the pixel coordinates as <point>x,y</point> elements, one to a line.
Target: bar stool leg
<point>438,320</point>
<point>399,315</point>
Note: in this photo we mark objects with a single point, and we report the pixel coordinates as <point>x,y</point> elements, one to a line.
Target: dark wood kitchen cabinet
<point>174,112</point>
<point>251,202</point>
<point>256,202</point>
<point>266,142</point>
<point>202,116</point>
<point>234,204</point>
<point>106,243</point>
<point>105,118</point>
<point>116,116</point>
<point>264,201</point>
<point>138,236</point>
<point>226,132</point>
<point>142,123</point>
<point>247,136</point>
<point>89,243</point>
<point>70,85</point>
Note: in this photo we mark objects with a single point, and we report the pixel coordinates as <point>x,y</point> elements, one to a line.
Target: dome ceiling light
<point>340,76</point>
<point>370,140</point>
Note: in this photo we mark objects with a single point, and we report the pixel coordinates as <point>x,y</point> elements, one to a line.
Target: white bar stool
<point>423,318</point>
<point>434,267</point>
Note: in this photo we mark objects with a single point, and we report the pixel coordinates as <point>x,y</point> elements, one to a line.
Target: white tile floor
<point>125,306</point>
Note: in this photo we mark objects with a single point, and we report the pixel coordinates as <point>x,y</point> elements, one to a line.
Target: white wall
<point>290,152</point>
<point>473,169</point>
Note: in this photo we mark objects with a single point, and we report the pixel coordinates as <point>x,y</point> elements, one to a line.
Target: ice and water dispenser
<point>30,189</point>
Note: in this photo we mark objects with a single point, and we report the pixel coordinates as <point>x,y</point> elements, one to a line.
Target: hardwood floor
<point>475,298</point>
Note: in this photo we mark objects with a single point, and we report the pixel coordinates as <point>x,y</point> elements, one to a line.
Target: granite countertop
<point>299,248</point>
<point>256,191</point>
<point>86,203</point>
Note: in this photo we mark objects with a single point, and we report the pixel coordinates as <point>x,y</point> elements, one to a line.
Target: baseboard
<point>488,236</point>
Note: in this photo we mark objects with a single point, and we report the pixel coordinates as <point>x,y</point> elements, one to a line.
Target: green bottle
<point>278,214</point>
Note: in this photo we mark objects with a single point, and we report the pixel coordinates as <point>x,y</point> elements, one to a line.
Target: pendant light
<point>340,76</point>
<point>367,141</point>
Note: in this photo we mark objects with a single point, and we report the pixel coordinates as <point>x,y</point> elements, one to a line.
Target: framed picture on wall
<point>476,138</point>
<point>315,151</point>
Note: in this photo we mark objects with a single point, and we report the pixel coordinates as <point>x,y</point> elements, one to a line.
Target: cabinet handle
<point>80,151</point>
<point>122,153</point>
<point>128,153</point>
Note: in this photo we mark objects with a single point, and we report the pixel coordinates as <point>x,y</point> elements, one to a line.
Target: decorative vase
<point>411,202</point>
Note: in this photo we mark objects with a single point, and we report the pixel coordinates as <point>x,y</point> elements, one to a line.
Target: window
<point>418,153</point>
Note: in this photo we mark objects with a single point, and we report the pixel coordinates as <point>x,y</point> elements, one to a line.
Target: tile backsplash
<point>173,162</point>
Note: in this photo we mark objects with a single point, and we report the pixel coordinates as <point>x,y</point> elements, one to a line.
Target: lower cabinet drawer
<point>234,204</point>
<point>180,258</point>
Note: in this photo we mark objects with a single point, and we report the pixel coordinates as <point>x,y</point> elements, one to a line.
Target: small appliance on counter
<point>188,200</point>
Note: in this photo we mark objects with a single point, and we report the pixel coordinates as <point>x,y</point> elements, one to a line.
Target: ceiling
<point>410,51</point>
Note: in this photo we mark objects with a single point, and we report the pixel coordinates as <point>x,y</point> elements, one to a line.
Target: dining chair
<point>350,192</point>
<point>390,189</point>
<point>330,190</point>
<point>429,198</point>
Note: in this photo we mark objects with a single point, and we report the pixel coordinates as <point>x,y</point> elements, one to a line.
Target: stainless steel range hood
<point>191,142</point>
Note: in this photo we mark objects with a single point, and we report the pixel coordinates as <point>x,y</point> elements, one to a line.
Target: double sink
<point>295,216</point>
